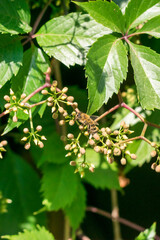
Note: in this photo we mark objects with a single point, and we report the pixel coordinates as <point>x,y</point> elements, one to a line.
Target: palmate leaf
<point>106,68</point>
<point>37,234</point>
<point>146,66</point>
<point>59,186</point>
<point>108,14</point>
<point>20,183</point>
<point>14,17</point>
<point>148,234</point>
<point>68,38</point>
<point>11,54</point>
<point>152,27</point>
<point>76,210</point>
<point>139,11</point>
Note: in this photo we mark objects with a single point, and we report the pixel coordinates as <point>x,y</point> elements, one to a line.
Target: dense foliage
<point>65,150</point>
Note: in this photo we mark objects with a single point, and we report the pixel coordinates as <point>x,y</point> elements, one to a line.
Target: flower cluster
<point>156,153</point>
<point>13,104</point>
<point>33,135</point>
<point>112,144</point>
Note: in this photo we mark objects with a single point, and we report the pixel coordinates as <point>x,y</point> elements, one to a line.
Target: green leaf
<point>68,38</point>
<point>152,27</point>
<point>105,13</point>
<point>148,234</point>
<point>106,68</point>
<point>20,183</point>
<point>11,54</point>
<point>105,175</point>
<point>54,151</point>
<point>146,66</point>
<point>31,74</point>
<point>14,17</point>
<point>76,210</point>
<point>38,234</point>
<point>59,186</point>
<point>139,11</point>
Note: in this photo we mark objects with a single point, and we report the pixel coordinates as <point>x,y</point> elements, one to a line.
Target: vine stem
<point>119,219</point>
<point>36,23</point>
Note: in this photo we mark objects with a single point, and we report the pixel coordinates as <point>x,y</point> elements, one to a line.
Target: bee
<point>87,120</point>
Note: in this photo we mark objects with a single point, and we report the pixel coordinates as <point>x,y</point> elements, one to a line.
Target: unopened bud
<point>49,104</point>
<point>91,169</point>
<point>125,137</point>
<point>43,138</point>
<point>67,147</point>
<point>7,98</point>
<point>97,149</point>
<point>123,161</point>
<point>79,155</point>
<point>40,144</point>
<point>44,92</point>
<point>7,105</point>
<point>153,166</point>
<point>54,115</point>
<point>72,163</point>
<point>127,152</point>
<point>70,136</point>
<point>23,95</point>
<point>91,142</point>
<point>82,151</point>
<point>50,99</point>
<point>96,136</point>
<point>14,119</point>
<point>61,109</point>
<point>81,127</point>
<point>73,113</point>
<point>4,143</point>
<point>11,92</point>
<point>86,133</point>
<point>53,109</point>
<point>68,154</point>
<point>27,146</point>
<point>75,105</point>
<point>157,169</point>
<point>71,122</point>
<point>153,144</point>
<point>54,83</point>
<point>65,89</point>
<point>35,141</point>
<point>116,132</point>
<point>153,153</point>
<point>108,130</point>
<point>61,122</point>
<point>117,152</point>
<point>63,97</point>
<point>14,98</point>
<point>65,114</point>
<point>133,156</point>
<point>39,128</point>
<point>108,143</point>
<point>70,99</point>
<point>14,109</point>
<point>122,123</point>
<point>110,160</point>
<point>24,139</point>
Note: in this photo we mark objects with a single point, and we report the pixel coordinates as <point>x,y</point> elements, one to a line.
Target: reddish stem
<point>121,220</point>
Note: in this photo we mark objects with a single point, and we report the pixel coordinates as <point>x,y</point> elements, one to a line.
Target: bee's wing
<point>93,117</point>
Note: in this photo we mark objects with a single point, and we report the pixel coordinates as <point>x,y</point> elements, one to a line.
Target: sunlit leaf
<point>148,234</point>
<point>14,17</point>
<point>146,66</point>
<point>11,54</point>
<point>68,38</point>
<point>106,13</point>
<point>106,68</point>
<point>139,11</point>
<point>152,27</point>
